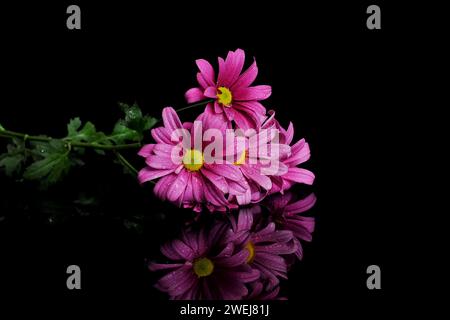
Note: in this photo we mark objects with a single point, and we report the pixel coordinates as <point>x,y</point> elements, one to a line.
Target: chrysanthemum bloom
<point>257,166</point>
<point>265,244</point>
<point>188,181</point>
<point>205,266</point>
<point>299,154</point>
<point>234,98</point>
<point>285,212</point>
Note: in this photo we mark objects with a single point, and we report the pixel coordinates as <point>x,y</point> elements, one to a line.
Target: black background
<point>338,82</point>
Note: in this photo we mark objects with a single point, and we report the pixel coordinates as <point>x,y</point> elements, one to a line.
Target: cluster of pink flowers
<point>179,162</point>
<point>241,256</point>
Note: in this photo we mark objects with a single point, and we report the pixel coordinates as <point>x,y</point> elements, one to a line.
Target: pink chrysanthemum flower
<point>257,166</point>
<point>235,100</point>
<point>265,244</point>
<point>285,212</point>
<point>299,154</point>
<point>205,266</point>
<point>188,181</point>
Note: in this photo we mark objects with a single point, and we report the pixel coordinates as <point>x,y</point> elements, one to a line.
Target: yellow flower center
<point>241,159</point>
<point>193,160</point>
<point>225,97</point>
<point>251,251</point>
<point>203,267</point>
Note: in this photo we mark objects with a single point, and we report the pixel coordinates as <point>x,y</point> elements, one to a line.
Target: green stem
<point>126,163</point>
<point>198,104</point>
<point>12,134</point>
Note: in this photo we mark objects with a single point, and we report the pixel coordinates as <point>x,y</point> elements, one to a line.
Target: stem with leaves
<point>52,158</point>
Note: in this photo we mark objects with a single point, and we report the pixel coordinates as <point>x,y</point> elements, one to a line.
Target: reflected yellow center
<point>224,96</point>
<point>251,251</point>
<point>203,267</point>
<point>193,160</point>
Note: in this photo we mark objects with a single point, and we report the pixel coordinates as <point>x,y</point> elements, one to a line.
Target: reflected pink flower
<point>234,98</point>
<point>205,266</point>
<point>285,212</point>
<point>266,245</point>
<point>188,181</point>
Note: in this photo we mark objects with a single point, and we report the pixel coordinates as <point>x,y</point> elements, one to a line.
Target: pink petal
<point>148,174</point>
<point>206,70</point>
<point>217,107</point>
<point>210,92</point>
<point>247,77</point>
<point>162,266</point>
<point>146,150</point>
<point>299,175</point>
<point>228,171</point>
<point>255,174</point>
<point>194,95</point>
<point>171,120</point>
<point>163,184</point>
<point>233,261</point>
<point>222,72</point>
<point>236,63</point>
<point>252,93</point>
<point>161,162</point>
<point>217,180</point>
<point>300,153</point>
<point>178,186</point>
<point>173,278</point>
<point>272,262</point>
<point>289,134</point>
<point>238,188</point>
<point>197,187</point>
<point>301,205</point>
<point>202,81</point>
<point>160,135</point>
<point>253,107</point>
<point>214,195</point>
<point>245,120</point>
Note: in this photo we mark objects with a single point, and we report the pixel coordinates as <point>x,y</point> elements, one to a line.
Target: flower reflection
<point>242,256</point>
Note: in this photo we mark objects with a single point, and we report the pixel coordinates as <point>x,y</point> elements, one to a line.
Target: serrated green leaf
<point>149,122</point>
<point>73,126</point>
<point>50,169</point>
<point>12,164</point>
<point>134,119</point>
<point>13,159</point>
<point>121,134</point>
<point>44,149</point>
<point>87,133</point>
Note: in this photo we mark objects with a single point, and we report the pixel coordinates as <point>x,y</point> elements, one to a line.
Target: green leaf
<point>12,164</point>
<point>134,119</point>
<point>14,158</point>
<point>50,169</point>
<point>73,126</point>
<point>121,134</point>
<point>149,122</point>
<point>1,128</point>
<point>44,149</point>
<point>86,134</point>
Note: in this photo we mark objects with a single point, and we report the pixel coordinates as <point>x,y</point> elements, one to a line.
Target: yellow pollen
<point>203,267</point>
<point>241,159</point>
<point>251,251</point>
<point>193,160</point>
<point>225,97</point>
